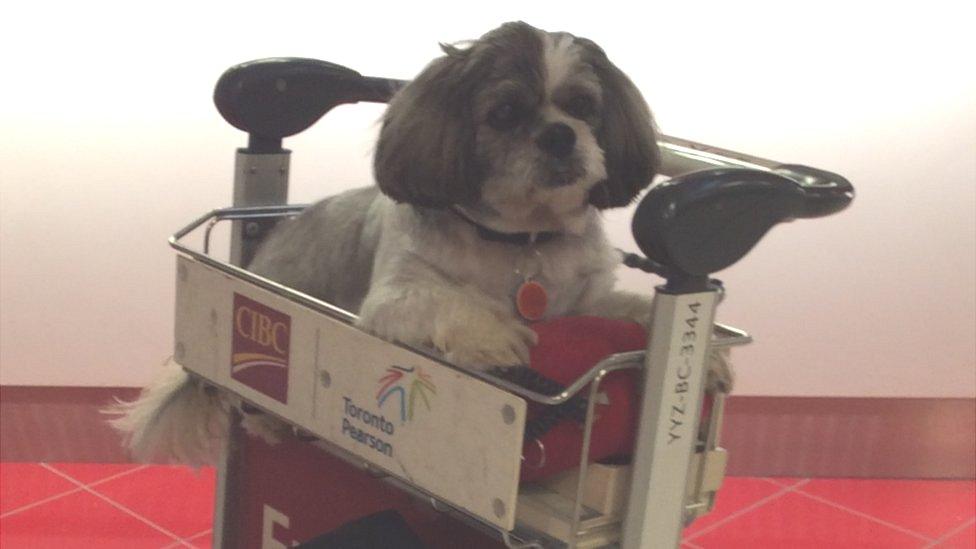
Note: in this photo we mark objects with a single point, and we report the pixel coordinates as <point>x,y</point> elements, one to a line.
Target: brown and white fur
<point>521,131</point>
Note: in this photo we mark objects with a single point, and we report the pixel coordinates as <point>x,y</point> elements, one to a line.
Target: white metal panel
<point>450,434</point>
<point>440,429</point>
<point>199,328</point>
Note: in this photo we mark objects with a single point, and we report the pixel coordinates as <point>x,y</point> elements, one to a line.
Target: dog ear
<point>425,154</point>
<point>627,135</point>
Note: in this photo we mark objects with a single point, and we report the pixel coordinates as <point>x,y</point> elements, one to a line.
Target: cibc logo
<point>260,348</point>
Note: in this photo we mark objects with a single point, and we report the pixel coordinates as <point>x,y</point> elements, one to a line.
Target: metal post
<point>227,508</point>
<point>260,179</point>
<point>673,392</point>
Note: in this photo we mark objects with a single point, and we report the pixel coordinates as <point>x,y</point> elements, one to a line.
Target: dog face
<point>523,125</point>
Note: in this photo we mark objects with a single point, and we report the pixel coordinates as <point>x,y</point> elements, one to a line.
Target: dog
<point>491,170</point>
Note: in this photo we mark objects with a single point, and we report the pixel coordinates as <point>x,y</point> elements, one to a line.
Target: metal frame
<point>728,335</point>
<point>260,189</point>
<point>522,537</point>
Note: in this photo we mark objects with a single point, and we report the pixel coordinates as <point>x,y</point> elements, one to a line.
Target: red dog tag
<point>531,300</point>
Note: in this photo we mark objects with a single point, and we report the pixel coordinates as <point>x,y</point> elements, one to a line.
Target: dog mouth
<point>563,174</point>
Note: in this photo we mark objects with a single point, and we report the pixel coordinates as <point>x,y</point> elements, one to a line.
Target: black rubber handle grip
<point>281,96</point>
<point>702,222</point>
<point>825,192</point>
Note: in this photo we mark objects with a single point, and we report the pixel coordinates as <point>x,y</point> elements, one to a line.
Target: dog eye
<point>581,106</point>
<point>505,116</point>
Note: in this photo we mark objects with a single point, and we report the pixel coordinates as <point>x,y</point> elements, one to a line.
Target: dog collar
<point>520,239</point>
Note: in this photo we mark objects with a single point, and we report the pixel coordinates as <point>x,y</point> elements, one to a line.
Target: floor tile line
<point>863,515</point>
<point>116,504</point>
<point>67,492</point>
<point>179,543</point>
<point>773,481</point>
<point>39,502</point>
<point>951,533</point>
<point>747,509</point>
<point>189,539</point>
<point>198,534</point>
<point>99,481</point>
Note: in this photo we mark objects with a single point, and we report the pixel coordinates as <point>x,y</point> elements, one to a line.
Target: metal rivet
<point>252,169</point>
<point>180,351</point>
<point>508,414</point>
<point>325,379</point>
<point>499,507</point>
<point>282,170</point>
<point>252,229</point>
<point>281,85</point>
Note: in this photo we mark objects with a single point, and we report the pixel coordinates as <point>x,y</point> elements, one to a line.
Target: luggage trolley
<point>453,471</point>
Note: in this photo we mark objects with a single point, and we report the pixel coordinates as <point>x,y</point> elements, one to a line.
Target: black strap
<point>520,239</point>
<point>573,409</point>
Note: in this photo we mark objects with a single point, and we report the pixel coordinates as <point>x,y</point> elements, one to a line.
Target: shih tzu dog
<point>492,167</point>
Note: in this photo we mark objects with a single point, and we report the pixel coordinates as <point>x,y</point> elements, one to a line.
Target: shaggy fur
<point>175,418</point>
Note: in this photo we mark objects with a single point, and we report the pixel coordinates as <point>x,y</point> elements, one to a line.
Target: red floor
<point>67,506</point>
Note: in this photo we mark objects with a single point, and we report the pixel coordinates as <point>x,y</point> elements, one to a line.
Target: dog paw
<point>642,316</point>
<point>719,378</point>
<point>485,342</point>
<point>263,426</point>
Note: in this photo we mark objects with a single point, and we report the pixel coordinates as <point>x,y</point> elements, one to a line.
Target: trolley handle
<point>824,192</point>
<point>277,97</point>
<point>702,222</point>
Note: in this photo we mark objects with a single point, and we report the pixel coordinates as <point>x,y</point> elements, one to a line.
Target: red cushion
<point>567,349</point>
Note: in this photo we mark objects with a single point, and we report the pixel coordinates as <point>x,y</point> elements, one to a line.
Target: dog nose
<point>557,139</point>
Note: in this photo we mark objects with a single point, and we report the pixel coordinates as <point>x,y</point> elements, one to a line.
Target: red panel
<point>315,493</point>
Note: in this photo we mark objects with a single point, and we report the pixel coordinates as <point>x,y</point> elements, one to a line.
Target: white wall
<point>109,142</point>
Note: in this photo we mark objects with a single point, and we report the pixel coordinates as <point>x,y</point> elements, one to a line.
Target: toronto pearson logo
<point>406,386</point>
